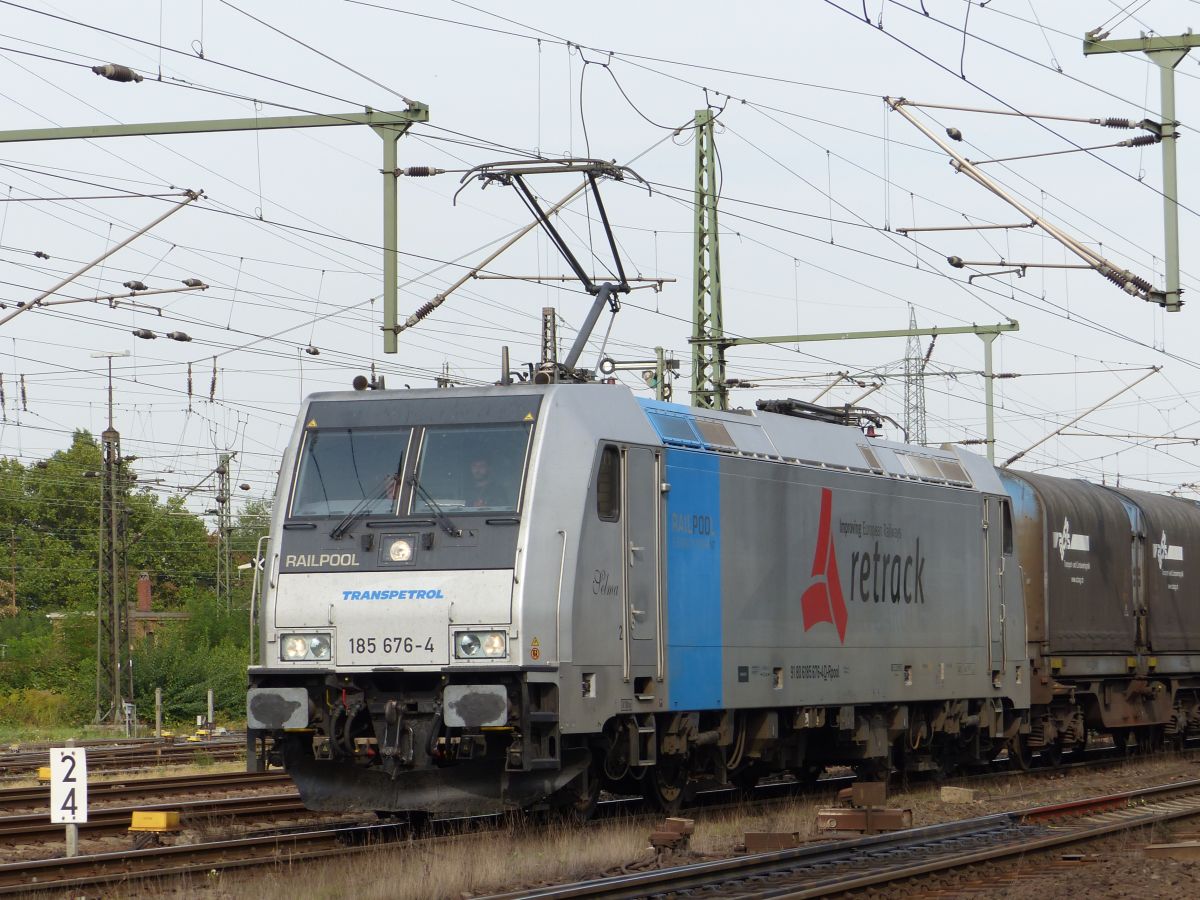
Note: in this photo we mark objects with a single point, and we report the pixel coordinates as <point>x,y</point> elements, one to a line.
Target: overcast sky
<point>816,176</point>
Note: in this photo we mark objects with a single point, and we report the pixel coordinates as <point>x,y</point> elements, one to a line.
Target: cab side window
<point>1006,517</point>
<point>608,485</point>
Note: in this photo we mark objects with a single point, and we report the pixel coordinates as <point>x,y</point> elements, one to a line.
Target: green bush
<point>208,651</point>
<point>34,708</point>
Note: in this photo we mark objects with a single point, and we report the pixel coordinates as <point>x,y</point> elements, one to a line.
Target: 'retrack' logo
<point>823,601</point>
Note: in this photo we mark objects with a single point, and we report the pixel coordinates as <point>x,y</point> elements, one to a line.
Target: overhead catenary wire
<point>793,253</point>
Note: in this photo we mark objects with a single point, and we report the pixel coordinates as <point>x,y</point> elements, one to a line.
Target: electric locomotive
<point>510,597</point>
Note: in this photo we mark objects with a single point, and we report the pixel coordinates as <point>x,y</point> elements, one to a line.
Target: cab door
<point>642,550</point>
<point>997,559</point>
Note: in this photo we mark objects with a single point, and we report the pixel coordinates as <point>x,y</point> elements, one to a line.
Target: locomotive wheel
<point>664,784</point>
<point>874,769</point>
<point>414,821</point>
<point>745,780</point>
<point>808,774</point>
<point>576,803</point>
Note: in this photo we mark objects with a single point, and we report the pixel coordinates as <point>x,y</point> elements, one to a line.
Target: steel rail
<point>116,819</point>
<point>16,798</point>
<point>291,845</point>
<point>28,762</point>
<point>806,871</point>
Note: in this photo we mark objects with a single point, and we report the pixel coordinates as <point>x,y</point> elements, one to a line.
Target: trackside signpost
<point>68,791</point>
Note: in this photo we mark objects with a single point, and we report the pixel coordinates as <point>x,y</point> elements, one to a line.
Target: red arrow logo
<point>823,601</point>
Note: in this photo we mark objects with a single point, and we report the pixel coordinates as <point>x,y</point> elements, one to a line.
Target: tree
<point>49,552</point>
<point>252,522</point>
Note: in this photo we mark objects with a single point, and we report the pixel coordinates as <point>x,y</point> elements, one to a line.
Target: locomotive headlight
<point>480,644</point>
<point>294,647</point>
<point>400,550</point>
<point>468,643</point>
<point>494,644</point>
<point>318,646</point>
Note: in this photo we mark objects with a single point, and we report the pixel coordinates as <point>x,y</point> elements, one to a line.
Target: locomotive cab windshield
<point>343,470</point>
<point>475,468</point>
<point>357,472</point>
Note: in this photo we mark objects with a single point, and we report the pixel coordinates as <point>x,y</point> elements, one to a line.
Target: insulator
<point>1140,283</point>
<point>312,351</point>
<point>179,336</point>
<point>117,72</point>
<point>420,171</point>
<point>193,282</point>
<point>144,333</point>
<point>1127,281</point>
<point>955,261</point>
<point>1143,140</point>
<point>135,286</point>
<point>425,310</point>
<point>1113,122</point>
<point>954,134</point>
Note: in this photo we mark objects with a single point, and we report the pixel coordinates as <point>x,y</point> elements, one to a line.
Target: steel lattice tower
<point>113,669</point>
<point>708,358</point>
<point>224,532</point>
<point>914,384</point>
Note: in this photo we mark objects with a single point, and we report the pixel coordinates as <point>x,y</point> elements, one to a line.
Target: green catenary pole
<point>708,354</point>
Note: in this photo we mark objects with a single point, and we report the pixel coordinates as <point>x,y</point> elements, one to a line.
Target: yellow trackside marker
<point>154,820</point>
<point>528,417</point>
<point>312,423</point>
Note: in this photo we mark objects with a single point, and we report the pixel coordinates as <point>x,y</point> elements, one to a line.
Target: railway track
<point>105,757</point>
<point>871,862</point>
<point>811,871</point>
<point>36,827</point>
<point>299,842</point>
<point>113,791</point>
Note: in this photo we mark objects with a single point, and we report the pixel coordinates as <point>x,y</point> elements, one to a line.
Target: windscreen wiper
<point>447,525</point>
<point>390,482</point>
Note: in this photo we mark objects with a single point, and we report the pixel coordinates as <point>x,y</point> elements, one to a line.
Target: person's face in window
<point>480,471</point>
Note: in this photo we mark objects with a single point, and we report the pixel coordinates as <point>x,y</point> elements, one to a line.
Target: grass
<point>10,735</point>
<point>466,866</point>
<point>521,857</point>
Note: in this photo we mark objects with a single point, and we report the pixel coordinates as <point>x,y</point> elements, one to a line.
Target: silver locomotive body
<point>635,595</point>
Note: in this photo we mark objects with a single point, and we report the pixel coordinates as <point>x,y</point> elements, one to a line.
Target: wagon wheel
<point>1178,738</point>
<point>1052,755</point>
<point>1149,739</point>
<point>1018,753</point>
<point>664,784</point>
<point>1120,739</point>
